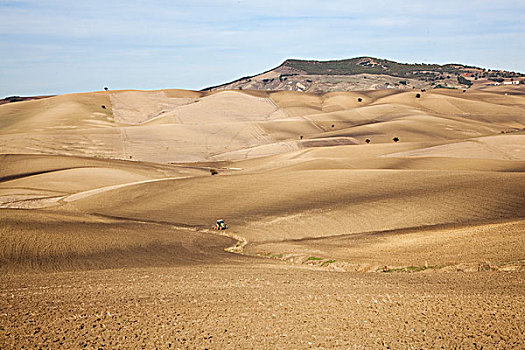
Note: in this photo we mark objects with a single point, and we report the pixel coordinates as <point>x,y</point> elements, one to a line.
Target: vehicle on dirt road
<point>221,225</point>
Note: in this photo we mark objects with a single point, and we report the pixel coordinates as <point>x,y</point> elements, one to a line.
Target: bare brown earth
<point>106,218</point>
<point>262,306</point>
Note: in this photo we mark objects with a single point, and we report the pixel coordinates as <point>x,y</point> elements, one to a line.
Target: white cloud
<point>172,38</point>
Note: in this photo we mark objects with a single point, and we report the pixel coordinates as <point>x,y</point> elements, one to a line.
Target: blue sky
<point>59,46</point>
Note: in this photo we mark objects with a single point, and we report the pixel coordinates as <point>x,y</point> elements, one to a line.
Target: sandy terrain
<point>106,219</point>
<point>183,126</point>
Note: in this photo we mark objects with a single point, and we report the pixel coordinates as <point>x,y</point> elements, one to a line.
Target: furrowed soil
<point>262,306</point>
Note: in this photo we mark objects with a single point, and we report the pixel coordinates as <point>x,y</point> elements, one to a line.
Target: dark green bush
<point>464,81</point>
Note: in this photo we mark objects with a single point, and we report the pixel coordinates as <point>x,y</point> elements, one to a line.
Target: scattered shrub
<point>301,137</point>
<point>213,172</point>
<point>367,140</point>
<point>395,139</point>
<point>464,81</point>
<point>418,95</point>
<point>359,99</point>
<point>13,99</point>
<point>333,125</point>
<point>106,88</point>
<point>103,107</point>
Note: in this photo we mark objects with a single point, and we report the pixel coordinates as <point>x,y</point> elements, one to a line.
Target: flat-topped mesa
<point>369,73</point>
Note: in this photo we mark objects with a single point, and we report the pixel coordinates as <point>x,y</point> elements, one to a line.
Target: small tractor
<point>221,225</point>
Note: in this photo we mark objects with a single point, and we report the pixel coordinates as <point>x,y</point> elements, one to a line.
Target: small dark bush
<point>418,95</point>
<point>13,99</point>
<point>301,137</point>
<point>359,99</point>
<point>103,107</point>
<point>333,125</point>
<point>367,140</point>
<point>395,139</point>
<point>213,172</point>
<point>106,88</point>
<point>464,81</point>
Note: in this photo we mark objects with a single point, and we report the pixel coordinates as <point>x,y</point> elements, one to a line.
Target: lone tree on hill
<point>106,88</point>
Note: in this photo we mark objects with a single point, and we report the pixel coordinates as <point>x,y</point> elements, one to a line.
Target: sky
<point>63,46</point>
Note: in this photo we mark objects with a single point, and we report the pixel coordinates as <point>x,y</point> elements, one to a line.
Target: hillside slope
<point>452,175</point>
<point>174,126</point>
<point>367,73</point>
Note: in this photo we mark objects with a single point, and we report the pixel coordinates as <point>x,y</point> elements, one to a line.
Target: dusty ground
<point>262,306</point>
<point>333,242</point>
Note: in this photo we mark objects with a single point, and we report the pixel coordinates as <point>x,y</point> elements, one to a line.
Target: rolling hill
<point>367,73</point>
<point>107,203</point>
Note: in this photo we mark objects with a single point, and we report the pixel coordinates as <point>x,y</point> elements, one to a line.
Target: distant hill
<point>11,99</point>
<point>368,73</point>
